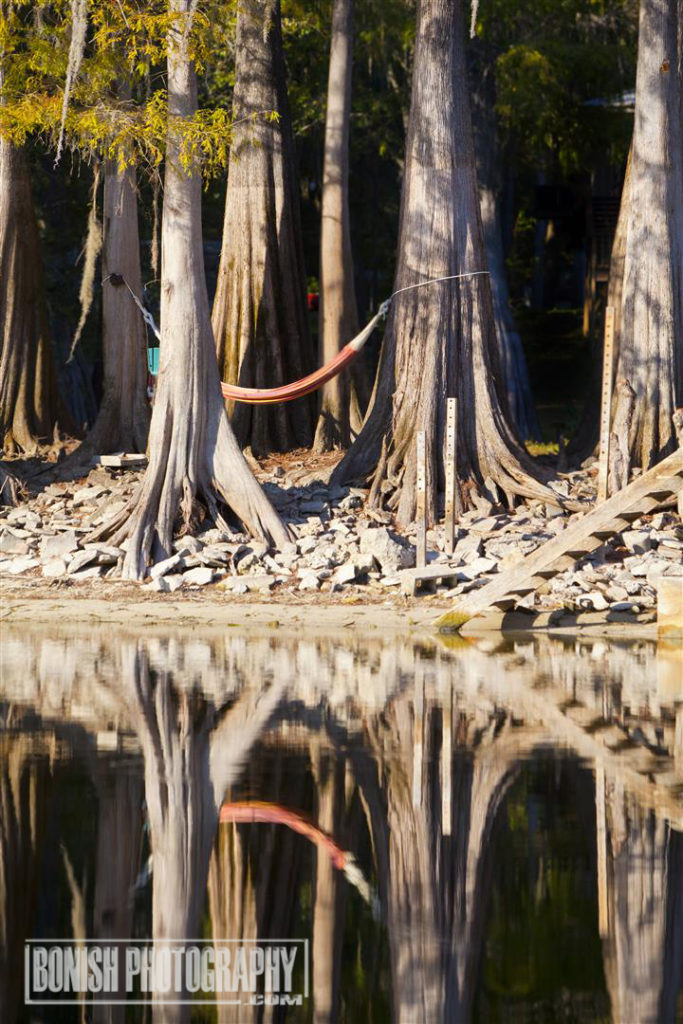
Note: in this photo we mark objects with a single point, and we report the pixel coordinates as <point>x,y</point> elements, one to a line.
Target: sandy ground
<point>127,605</point>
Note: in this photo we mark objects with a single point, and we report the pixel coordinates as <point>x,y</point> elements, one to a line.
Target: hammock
<point>252,811</point>
<point>299,388</point>
<point>288,392</point>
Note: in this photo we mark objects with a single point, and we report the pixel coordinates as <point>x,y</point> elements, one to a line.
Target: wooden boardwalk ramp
<point>584,533</point>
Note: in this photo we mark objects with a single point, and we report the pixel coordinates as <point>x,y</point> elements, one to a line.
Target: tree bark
<point>651,328</point>
<point>259,312</point>
<point>345,396</point>
<point>122,422</point>
<point>440,340</point>
<point>489,163</point>
<point>192,450</point>
<point>193,750</point>
<point>585,441</point>
<point>641,881</point>
<point>30,409</point>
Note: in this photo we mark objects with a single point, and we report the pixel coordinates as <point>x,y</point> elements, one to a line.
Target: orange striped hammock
<point>299,388</point>
<point>255,811</point>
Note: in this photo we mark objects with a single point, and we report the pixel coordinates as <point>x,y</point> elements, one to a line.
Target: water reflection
<point>516,811</point>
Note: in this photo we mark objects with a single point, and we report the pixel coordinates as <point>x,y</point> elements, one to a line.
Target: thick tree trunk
<point>345,396</point>
<point>440,340</point>
<point>192,450</point>
<point>641,886</point>
<point>436,888</point>
<point>651,328</point>
<point>193,750</point>
<point>122,423</point>
<point>515,374</point>
<point>259,312</point>
<point>586,438</point>
<point>489,173</point>
<point>30,409</point>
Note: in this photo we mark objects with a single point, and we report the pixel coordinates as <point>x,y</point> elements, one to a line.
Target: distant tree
<point>440,340</point>
<point>651,298</point>
<point>79,109</point>
<point>344,397</point>
<point>30,408</point>
<point>122,422</point>
<point>259,312</point>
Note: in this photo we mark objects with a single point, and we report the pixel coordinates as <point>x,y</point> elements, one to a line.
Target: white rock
<point>91,573</point>
<point>12,545</point>
<point>470,546</point>
<point>477,568</point>
<point>158,584</point>
<point>307,545</point>
<point>596,600</point>
<point>61,544</point>
<point>163,568</point>
<point>345,574</point>
<point>198,577</point>
<point>386,550</point>
<point>656,569</point>
<point>19,565</point>
<point>188,543</point>
<point>80,560</point>
<point>174,581</point>
<point>309,582</point>
<point>639,541</point>
<point>55,567</point>
<point>88,494</point>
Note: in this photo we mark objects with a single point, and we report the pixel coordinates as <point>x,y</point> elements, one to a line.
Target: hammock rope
<point>315,380</point>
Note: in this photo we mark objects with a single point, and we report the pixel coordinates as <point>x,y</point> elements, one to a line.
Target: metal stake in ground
<point>421,502</point>
<point>451,513</point>
<point>606,403</point>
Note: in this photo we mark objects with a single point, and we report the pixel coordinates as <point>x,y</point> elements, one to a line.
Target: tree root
<point>163,505</point>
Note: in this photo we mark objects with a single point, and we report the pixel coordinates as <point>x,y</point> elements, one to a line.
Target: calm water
<point>485,833</point>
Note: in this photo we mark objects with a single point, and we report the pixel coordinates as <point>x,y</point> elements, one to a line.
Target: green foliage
<point>118,105</point>
<point>553,59</point>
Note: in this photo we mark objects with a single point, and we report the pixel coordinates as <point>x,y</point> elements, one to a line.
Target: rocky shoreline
<point>340,548</point>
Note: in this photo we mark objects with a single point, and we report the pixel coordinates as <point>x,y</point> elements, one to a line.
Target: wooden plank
<point>606,403</point>
<point>121,459</point>
<point>637,497</point>
<point>451,514</point>
<point>421,502</point>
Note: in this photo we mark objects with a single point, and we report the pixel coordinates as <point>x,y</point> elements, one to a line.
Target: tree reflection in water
<point>415,757</point>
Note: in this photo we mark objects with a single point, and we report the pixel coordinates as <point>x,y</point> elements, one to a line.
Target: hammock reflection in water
<point>482,846</point>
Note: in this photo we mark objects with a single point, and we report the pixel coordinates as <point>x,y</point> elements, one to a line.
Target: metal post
<point>451,472</point>
<point>421,503</point>
<point>606,403</point>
